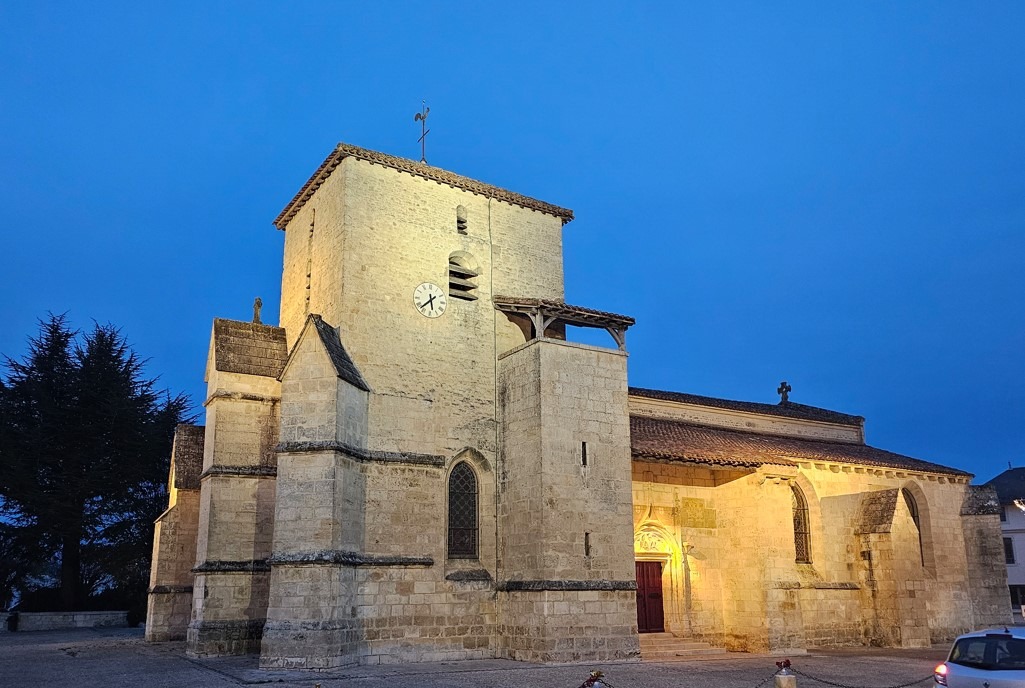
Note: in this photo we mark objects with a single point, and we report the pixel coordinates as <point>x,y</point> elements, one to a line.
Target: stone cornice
<point>335,557</point>
<point>344,150</point>
<point>244,566</point>
<point>571,585</point>
<point>239,396</point>
<point>169,589</point>
<point>361,454</point>
<point>241,471</point>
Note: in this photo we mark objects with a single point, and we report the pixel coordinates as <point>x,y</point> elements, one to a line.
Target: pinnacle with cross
<point>784,392</point>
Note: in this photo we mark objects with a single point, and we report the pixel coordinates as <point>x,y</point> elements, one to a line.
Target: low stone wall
<point>52,621</point>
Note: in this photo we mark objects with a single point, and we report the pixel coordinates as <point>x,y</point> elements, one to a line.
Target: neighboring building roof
<point>187,456</point>
<point>665,439</point>
<point>344,150</point>
<point>344,366</point>
<point>249,348</point>
<point>786,409</point>
<point>1010,485</point>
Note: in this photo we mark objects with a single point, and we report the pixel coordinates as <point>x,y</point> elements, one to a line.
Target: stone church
<point>415,464</point>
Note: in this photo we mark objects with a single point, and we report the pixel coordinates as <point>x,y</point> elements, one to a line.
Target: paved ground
<point>120,657</point>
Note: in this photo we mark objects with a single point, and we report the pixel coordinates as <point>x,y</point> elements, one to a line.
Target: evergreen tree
<point>85,441</point>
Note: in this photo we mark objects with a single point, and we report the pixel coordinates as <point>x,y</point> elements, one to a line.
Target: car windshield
<point>994,652</point>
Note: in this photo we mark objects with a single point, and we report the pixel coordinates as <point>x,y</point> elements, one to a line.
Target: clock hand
<point>429,302</point>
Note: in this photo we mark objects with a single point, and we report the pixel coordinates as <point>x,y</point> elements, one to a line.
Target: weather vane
<point>421,117</point>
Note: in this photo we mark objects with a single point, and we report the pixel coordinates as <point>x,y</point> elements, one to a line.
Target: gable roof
<point>661,439</point>
<point>786,409</point>
<point>345,150</point>
<point>344,366</point>
<point>1010,485</point>
<point>249,348</point>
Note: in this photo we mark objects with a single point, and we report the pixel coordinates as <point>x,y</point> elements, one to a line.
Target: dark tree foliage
<point>85,441</point>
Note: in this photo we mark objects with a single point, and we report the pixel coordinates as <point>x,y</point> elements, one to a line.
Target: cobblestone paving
<point>120,657</point>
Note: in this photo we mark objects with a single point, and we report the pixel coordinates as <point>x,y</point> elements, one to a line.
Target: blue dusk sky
<point>827,193</point>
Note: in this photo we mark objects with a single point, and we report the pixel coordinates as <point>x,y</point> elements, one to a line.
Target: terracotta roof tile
<point>787,409</point>
<point>657,438</point>
<point>249,348</point>
<point>344,150</point>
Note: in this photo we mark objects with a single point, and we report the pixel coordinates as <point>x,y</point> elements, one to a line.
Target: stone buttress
<point>169,605</point>
<point>567,590</point>
<point>236,511</point>
<point>320,510</point>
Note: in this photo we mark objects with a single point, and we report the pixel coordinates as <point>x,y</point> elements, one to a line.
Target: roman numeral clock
<point>429,299</point>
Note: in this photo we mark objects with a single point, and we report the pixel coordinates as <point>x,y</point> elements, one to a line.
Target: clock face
<point>429,299</point>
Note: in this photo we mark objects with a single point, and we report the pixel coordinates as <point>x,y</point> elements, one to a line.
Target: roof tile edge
<point>345,150</point>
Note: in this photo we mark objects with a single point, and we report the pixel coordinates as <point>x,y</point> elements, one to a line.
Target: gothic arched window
<point>909,500</point>
<point>462,513</point>
<point>802,526</point>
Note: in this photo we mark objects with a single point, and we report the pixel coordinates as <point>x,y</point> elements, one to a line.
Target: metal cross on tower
<point>784,391</point>
<point>421,117</point>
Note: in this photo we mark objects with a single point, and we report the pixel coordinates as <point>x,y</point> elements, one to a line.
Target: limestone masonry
<point>416,465</point>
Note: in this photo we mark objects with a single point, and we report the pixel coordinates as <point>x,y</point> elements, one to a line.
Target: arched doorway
<point>654,556</point>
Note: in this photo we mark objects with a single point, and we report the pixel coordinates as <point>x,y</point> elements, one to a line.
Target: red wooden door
<point>649,597</point>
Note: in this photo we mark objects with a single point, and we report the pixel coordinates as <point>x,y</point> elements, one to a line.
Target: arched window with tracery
<point>462,512</point>
<point>909,500</point>
<point>802,526</point>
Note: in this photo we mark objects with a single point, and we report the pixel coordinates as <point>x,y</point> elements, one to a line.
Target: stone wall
<point>742,588</point>
<point>566,565</point>
<point>169,603</point>
<point>55,621</point>
<point>236,513</point>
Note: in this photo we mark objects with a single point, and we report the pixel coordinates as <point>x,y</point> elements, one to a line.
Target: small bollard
<point>783,677</point>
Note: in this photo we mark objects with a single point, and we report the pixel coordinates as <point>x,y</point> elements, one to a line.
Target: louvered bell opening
<point>460,282</point>
<point>461,271</point>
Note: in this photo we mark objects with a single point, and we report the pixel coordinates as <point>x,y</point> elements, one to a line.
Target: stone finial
<point>784,392</point>
<point>257,305</point>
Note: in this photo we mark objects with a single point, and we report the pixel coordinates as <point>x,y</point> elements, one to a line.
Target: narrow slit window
<point>461,219</point>
<point>587,544</point>
<point>583,453</point>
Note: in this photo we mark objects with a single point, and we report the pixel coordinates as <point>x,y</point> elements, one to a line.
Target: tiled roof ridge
<point>784,455</point>
<point>787,409</point>
<point>345,150</point>
<point>744,463</point>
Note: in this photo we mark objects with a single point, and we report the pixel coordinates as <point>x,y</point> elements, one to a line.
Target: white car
<point>985,659</point>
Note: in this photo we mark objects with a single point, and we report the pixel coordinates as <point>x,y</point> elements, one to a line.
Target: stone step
<point>666,646</point>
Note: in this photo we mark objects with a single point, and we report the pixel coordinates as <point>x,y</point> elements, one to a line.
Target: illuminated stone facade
<point>323,529</point>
